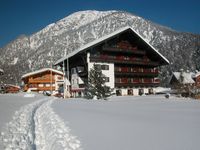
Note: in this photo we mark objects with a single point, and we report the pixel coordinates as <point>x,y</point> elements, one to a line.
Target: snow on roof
<point>107,37</point>
<point>197,74</point>
<point>80,81</point>
<point>11,85</point>
<point>42,70</point>
<point>187,77</point>
<point>67,82</point>
<point>162,90</point>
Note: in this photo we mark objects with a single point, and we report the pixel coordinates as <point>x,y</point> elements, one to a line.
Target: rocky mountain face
<point>43,48</point>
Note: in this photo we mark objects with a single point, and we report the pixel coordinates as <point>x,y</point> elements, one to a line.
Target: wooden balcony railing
<point>123,60</point>
<point>37,88</point>
<point>125,82</point>
<point>47,80</point>
<point>135,71</point>
<point>136,84</point>
<point>137,80</point>
<point>45,88</point>
<point>126,45</point>
<point>130,50</point>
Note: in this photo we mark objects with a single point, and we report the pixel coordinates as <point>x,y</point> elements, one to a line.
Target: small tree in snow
<point>96,85</point>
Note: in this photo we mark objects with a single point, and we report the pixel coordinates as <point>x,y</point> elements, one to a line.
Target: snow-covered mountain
<point>27,53</point>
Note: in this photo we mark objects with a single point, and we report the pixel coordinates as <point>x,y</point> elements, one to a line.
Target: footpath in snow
<point>9,103</point>
<point>36,127</point>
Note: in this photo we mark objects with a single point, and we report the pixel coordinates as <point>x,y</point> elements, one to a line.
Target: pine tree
<point>96,84</point>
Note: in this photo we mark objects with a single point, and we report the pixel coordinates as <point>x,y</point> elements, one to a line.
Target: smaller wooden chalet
<point>9,88</point>
<point>184,78</point>
<point>128,61</point>
<point>46,79</point>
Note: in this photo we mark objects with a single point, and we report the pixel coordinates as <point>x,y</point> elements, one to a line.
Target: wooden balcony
<point>127,71</point>
<point>123,60</point>
<point>45,88</point>
<point>136,82</point>
<point>136,74</point>
<point>37,88</point>
<point>129,50</point>
<point>148,84</point>
<point>48,80</point>
<point>136,85</point>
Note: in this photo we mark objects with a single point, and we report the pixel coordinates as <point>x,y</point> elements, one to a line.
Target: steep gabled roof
<point>102,39</point>
<point>40,71</point>
<point>187,77</point>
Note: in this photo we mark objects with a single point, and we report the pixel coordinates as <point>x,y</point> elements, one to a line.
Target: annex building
<point>128,61</point>
<point>46,79</point>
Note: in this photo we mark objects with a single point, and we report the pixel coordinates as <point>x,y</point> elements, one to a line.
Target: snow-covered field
<point>142,123</point>
<point>9,103</point>
<point>34,126</point>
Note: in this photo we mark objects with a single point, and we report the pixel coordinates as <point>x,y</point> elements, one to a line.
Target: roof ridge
<point>41,70</point>
<point>90,44</point>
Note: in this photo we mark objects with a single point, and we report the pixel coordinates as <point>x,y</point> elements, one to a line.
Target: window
<point>80,69</point>
<point>119,68</point>
<point>118,80</point>
<point>130,91</point>
<point>141,91</point>
<point>150,91</point>
<point>59,77</point>
<point>73,70</point>
<point>118,92</point>
<point>31,85</point>
<point>97,66</point>
<point>40,85</point>
<point>129,80</point>
<point>104,67</point>
<point>107,79</point>
<point>126,58</point>
<point>124,80</point>
<point>47,85</point>
<point>77,81</point>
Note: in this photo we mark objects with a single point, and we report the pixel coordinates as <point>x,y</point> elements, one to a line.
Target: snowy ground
<point>146,122</point>
<point>9,103</point>
<point>140,123</point>
<point>34,126</point>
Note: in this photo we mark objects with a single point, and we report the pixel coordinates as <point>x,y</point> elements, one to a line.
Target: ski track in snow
<point>37,127</point>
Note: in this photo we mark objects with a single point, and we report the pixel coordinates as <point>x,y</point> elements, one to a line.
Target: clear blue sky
<point>28,16</point>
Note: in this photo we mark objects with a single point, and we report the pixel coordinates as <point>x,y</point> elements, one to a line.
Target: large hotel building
<point>128,61</point>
